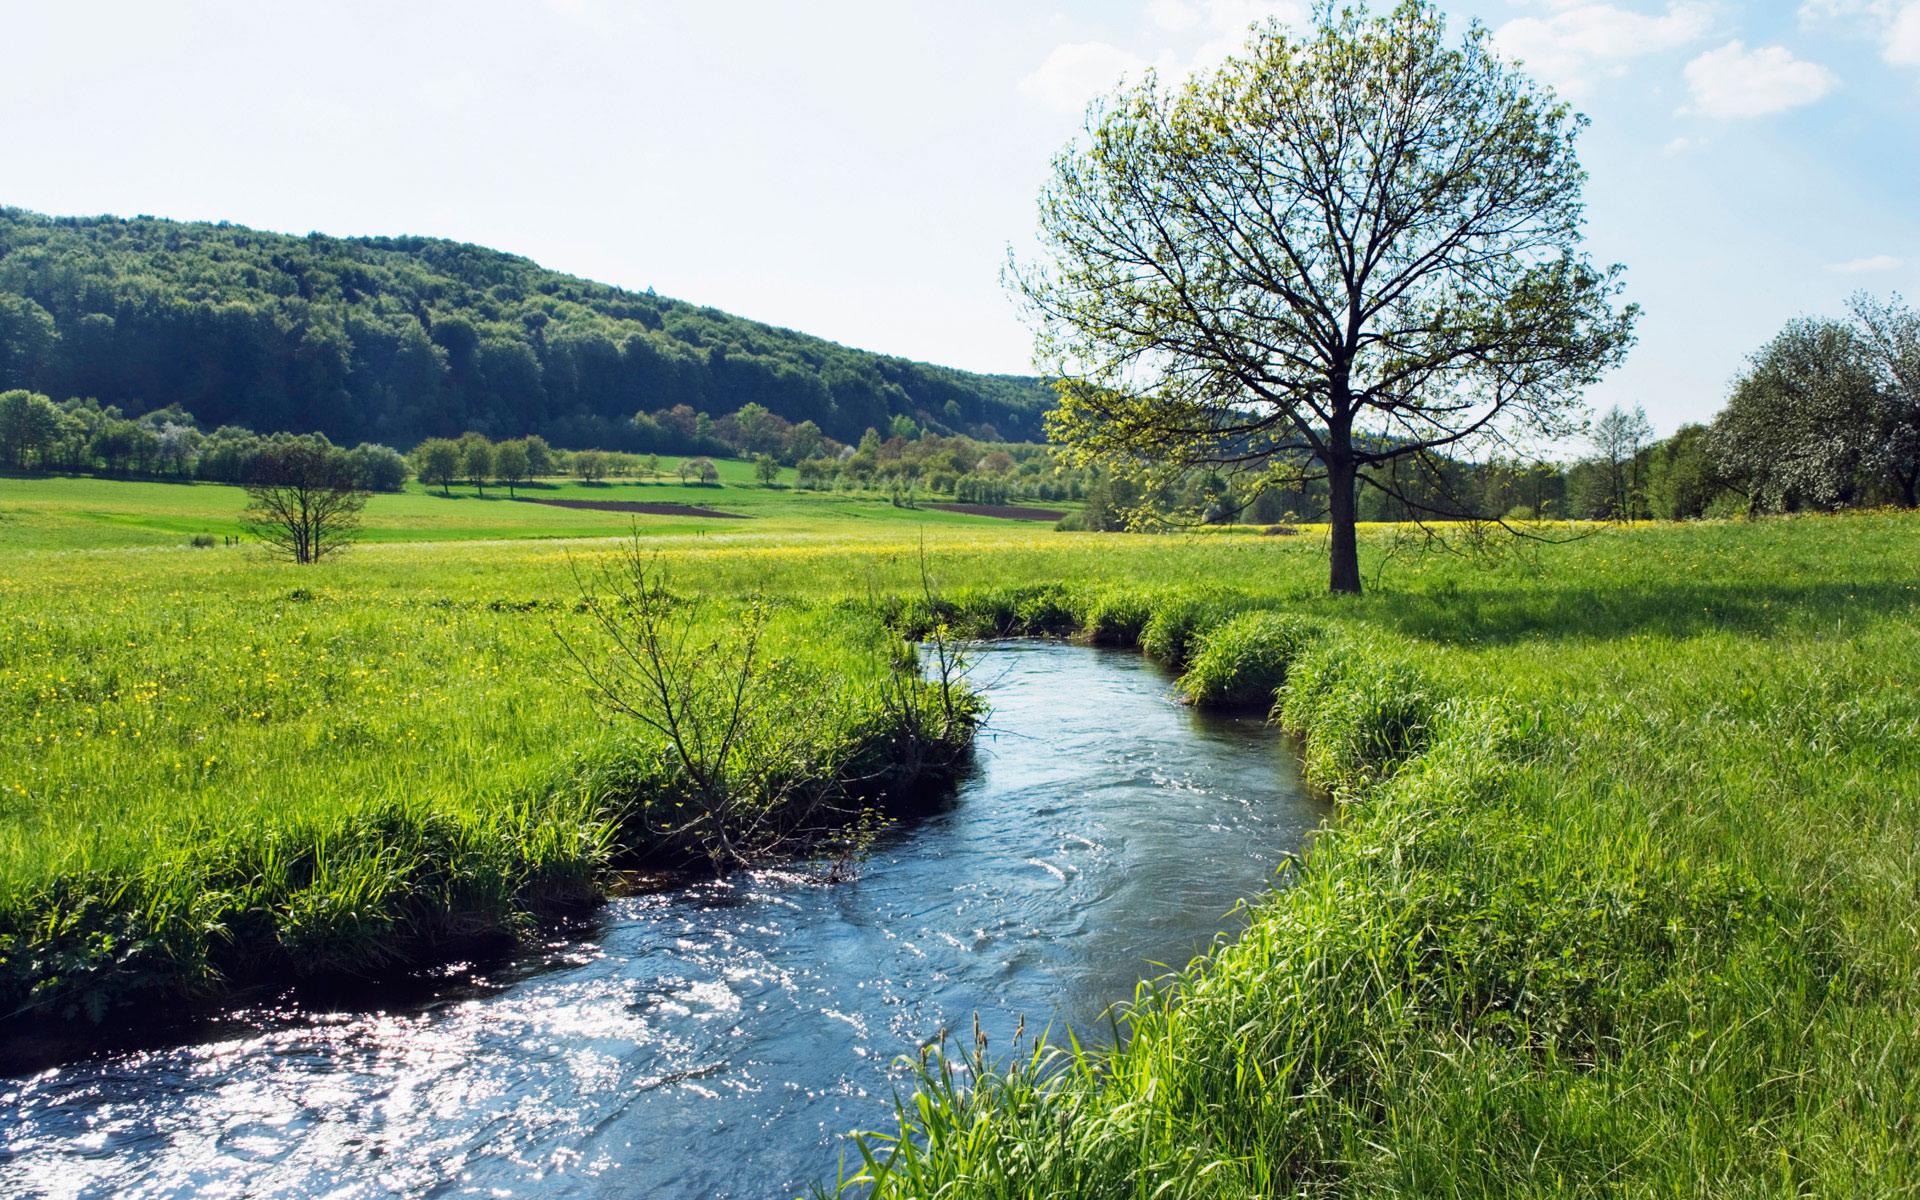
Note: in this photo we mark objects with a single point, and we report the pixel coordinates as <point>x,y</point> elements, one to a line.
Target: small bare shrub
<point>761,755</point>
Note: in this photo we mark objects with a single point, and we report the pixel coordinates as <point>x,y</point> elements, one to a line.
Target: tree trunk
<point>1344,573</point>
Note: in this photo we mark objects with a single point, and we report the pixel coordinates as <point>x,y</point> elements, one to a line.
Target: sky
<point>861,170</point>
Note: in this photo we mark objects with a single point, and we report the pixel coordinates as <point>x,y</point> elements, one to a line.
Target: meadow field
<point>1622,896</point>
<point>77,512</point>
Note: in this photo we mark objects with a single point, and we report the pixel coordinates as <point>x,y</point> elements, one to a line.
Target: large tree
<point>1808,425</point>
<point>1890,333</point>
<point>1345,249</point>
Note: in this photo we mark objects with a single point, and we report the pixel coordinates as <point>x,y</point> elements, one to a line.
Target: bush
<point>1047,610</point>
<point>378,468</point>
<point>202,541</point>
<point>1244,662</point>
<point>1362,712</point>
<point>1177,623</point>
<point>1115,618</point>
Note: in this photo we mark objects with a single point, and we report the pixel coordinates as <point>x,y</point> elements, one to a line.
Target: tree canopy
<point>1817,421</point>
<point>1344,249</point>
<point>303,501</point>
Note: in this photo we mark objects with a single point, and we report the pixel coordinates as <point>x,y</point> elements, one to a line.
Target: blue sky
<point>859,169</point>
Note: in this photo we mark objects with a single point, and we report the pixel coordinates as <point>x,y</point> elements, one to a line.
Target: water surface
<point>719,1040</point>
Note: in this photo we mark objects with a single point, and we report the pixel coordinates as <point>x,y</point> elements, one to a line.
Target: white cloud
<point>1867,266</point>
<point>1582,43</point>
<point>1681,145</point>
<point>1076,72</point>
<point>1833,10</point>
<point>1734,81</point>
<point>1895,22</point>
<point>1227,21</point>
<point>1900,45</point>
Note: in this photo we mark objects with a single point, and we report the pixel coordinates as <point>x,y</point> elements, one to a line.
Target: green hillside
<point>396,339</point>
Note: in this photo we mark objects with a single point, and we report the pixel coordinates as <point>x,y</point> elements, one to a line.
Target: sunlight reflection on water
<point>719,1040</point>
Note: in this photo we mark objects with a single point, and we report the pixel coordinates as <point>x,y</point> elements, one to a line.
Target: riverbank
<point>1627,897</point>
<point>715,1038</point>
<point>221,782</point>
<point>1619,892</point>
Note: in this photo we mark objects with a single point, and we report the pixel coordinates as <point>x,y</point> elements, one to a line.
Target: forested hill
<point>396,339</point>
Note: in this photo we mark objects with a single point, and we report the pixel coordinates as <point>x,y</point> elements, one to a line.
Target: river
<point>720,1039</point>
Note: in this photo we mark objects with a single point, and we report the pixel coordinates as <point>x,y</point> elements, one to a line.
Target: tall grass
<point>1621,898</point>
<point>227,780</point>
<point>1613,906</point>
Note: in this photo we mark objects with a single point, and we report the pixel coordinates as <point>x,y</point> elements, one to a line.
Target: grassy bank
<point>1621,898</point>
<point>1624,897</point>
<point>220,770</point>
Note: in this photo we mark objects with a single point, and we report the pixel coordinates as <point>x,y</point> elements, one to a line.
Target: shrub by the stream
<point>1179,620</point>
<point>1244,661</point>
<point>1115,617</point>
<point>1365,712</point>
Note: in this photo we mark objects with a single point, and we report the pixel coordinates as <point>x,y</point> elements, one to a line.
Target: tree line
<point>83,436</point>
<point>929,464</point>
<point>1825,416</point>
<point>394,340</point>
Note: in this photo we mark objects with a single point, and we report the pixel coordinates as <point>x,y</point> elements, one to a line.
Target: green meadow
<point>1622,894</point>
<point>1620,899</point>
<point>76,512</point>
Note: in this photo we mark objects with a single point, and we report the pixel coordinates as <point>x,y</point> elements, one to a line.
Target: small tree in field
<point>766,470</point>
<point>1345,249</point>
<point>437,461</point>
<point>1619,436</point>
<point>511,464</point>
<point>540,459</point>
<point>590,465</point>
<point>303,500</point>
<point>476,460</point>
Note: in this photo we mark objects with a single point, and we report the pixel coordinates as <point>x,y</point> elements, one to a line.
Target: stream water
<point>720,1039</point>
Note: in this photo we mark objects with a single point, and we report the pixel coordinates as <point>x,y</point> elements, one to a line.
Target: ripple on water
<point>719,1040</point>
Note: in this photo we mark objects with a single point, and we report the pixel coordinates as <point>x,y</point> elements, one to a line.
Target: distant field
<point>86,513</point>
